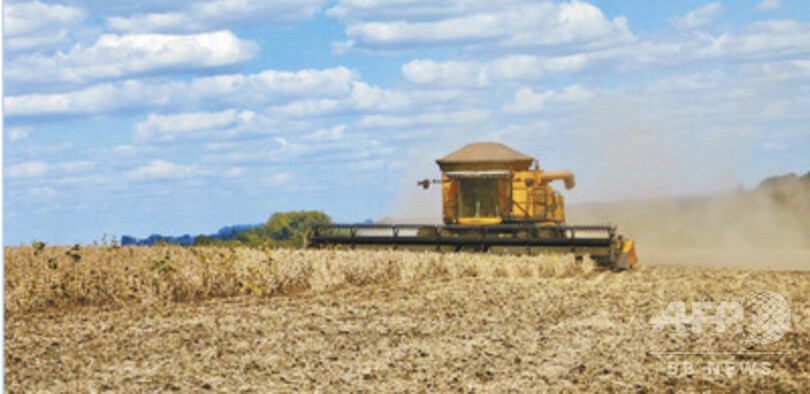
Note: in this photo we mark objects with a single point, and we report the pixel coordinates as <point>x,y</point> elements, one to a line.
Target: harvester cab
<point>493,201</point>
<point>490,183</point>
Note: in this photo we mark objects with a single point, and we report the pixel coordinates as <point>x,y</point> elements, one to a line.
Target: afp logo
<point>765,316</point>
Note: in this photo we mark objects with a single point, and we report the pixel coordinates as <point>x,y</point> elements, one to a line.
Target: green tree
<point>251,237</point>
<point>293,226</point>
<point>283,229</point>
<point>204,240</point>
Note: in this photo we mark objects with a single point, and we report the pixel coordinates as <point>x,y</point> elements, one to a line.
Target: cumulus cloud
<point>470,74</point>
<point>412,9</point>
<point>277,179</point>
<point>26,170</point>
<point>217,14</point>
<point>78,166</point>
<point>327,134</point>
<point>765,41</point>
<point>791,70</point>
<point>170,127</point>
<point>15,134</point>
<point>682,83</point>
<point>444,74</point>
<point>528,101</point>
<point>468,116</point>
<point>161,169</point>
<point>362,96</point>
<point>115,56</point>
<point>41,192</point>
<point>35,25</point>
<point>365,98</point>
<point>38,168</point>
<point>234,172</point>
<point>228,90</point>
<point>769,5</point>
<point>758,42</point>
<point>699,17</point>
<point>514,24</point>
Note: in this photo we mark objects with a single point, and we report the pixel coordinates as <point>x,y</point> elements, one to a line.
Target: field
<point>170,318</point>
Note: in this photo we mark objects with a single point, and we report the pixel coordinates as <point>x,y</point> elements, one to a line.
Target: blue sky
<point>180,117</point>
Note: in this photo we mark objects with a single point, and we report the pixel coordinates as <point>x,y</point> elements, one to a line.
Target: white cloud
<point>310,107</point>
<point>699,17</point>
<point>38,168</point>
<point>218,14</point>
<point>253,90</point>
<point>516,67</point>
<point>469,116</point>
<point>328,134</point>
<point>15,134</point>
<point>528,101</point>
<point>779,71</point>
<point>277,179</point>
<point>765,40</point>
<point>234,172</point>
<point>41,192</point>
<point>681,83</point>
<point>274,86</point>
<point>28,169</point>
<point>34,24</point>
<point>169,127</point>
<point>515,24</point>
<point>366,98</point>
<point>470,74</point>
<point>757,42</point>
<point>451,73</point>
<point>161,169</point>
<point>114,56</point>
<point>78,166</point>
<point>787,108</point>
<point>123,149</point>
<point>519,132</point>
<point>412,9</point>
<point>769,5</point>
<point>220,146</point>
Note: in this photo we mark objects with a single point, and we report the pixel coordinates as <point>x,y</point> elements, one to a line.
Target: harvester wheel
<point>622,263</point>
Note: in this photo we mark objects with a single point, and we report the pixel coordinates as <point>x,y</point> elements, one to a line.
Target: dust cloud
<point>766,228</point>
<point>413,204</point>
<point>646,166</point>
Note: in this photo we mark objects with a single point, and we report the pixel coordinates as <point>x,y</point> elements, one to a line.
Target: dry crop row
<point>62,277</point>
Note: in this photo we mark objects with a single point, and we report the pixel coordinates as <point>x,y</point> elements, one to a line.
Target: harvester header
<point>494,199</point>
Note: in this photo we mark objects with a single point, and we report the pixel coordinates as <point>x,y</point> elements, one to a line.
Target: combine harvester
<point>492,201</point>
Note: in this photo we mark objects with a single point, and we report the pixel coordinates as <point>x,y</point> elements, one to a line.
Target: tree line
<point>282,229</point>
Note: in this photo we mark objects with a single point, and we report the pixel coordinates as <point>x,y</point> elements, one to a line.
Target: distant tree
<point>128,240</point>
<point>184,240</point>
<point>293,226</point>
<point>204,240</point>
<point>229,232</point>
<point>250,237</point>
<point>283,229</point>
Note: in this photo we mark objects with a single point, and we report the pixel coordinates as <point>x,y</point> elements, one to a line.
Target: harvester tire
<point>622,263</point>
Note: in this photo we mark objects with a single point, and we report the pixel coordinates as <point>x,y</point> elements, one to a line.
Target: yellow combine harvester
<point>492,201</point>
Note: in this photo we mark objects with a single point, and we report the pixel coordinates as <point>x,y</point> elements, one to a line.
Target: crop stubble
<point>280,319</point>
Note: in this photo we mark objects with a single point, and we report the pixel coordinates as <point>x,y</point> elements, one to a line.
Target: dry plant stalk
<point>60,277</point>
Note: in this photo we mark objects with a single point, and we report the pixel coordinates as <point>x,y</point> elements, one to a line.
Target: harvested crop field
<point>245,320</point>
